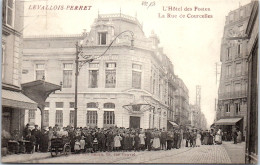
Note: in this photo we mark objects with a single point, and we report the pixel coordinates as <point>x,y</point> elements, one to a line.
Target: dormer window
<point>102,38</point>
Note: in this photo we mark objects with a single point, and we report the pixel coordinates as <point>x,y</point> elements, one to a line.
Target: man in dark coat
<point>37,134</point>
<point>163,139</point>
<point>26,131</point>
<point>148,139</point>
<point>110,140</point>
<point>176,138</point>
<point>101,141</point>
<point>169,140</point>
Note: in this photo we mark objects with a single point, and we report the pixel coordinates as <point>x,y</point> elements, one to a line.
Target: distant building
<point>195,115</point>
<point>14,103</point>
<point>181,103</point>
<point>123,88</point>
<point>232,94</point>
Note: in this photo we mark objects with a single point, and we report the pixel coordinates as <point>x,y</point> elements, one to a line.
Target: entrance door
<point>134,122</point>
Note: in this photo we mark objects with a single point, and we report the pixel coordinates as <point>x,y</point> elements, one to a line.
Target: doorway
<point>134,122</point>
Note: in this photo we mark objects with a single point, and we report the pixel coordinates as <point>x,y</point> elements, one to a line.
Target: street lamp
<point>80,63</point>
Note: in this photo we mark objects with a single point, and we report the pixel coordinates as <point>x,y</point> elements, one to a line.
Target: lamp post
<point>80,63</point>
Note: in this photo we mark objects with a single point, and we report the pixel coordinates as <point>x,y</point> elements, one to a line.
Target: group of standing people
<point>122,139</point>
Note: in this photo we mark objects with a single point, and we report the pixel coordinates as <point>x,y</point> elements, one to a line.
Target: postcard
<point>141,81</point>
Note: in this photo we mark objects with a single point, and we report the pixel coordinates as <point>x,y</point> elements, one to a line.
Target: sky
<point>192,44</point>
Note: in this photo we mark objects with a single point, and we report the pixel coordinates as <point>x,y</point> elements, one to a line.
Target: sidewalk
<point>20,158</point>
<point>236,152</point>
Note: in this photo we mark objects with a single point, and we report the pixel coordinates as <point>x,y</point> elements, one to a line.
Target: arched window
<point>92,105</point>
<point>109,106</point>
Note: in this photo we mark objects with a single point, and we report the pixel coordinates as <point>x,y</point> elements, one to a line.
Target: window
<point>59,118</point>
<point>72,117</point>
<point>227,108</point>
<point>31,116</point>
<point>3,61</point>
<point>72,113</point>
<point>239,49</point>
<point>136,76</point>
<point>110,75</point>
<point>228,71</point>
<point>8,12</point>
<point>109,106</point>
<point>46,116</point>
<point>228,54</point>
<point>238,69</point>
<point>93,78</point>
<point>102,38</point>
<point>67,75</point>
<point>136,79</point>
<point>237,106</point>
<point>92,118</point>
<point>92,105</point>
<point>109,117</point>
<point>59,113</point>
<point>59,105</point>
<point>40,72</point>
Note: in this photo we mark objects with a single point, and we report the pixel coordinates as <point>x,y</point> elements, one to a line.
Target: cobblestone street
<point>203,154</point>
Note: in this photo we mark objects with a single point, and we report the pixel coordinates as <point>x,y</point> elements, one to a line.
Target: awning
<point>228,121</point>
<point>173,124</point>
<point>17,100</point>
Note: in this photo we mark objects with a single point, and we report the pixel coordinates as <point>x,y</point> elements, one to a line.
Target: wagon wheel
<point>54,153</point>
<point>67,150</point>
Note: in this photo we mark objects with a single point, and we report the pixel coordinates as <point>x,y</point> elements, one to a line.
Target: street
<point>204,154</point>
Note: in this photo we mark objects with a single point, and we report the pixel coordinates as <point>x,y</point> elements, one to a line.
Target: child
<point>95,144</point>
<point>82,144</point>
<point>77,146</point>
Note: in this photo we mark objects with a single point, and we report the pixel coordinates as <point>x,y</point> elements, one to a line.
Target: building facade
<point>252,32</point>
<point>182,111</point>
<point>14,102</point>
<point>232,94</point>
<point>123,87</point>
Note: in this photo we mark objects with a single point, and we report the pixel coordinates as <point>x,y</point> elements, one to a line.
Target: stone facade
<point>232,94</point>
<point>110,84</point>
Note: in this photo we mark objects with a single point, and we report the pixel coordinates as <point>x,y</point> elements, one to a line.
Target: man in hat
<point>37,134</point>
<point>163,139</point>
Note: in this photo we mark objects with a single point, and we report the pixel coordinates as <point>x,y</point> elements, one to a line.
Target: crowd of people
<point>121,139</point>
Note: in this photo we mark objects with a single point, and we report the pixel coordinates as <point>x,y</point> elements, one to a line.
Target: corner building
<point>232,94</point>
<point>123,88</point>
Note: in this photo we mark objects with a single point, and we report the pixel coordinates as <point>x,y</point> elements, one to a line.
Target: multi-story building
<point>232,94</point>
<point>14,102</point>
<point>181,103</point>
<point>123,87</point>
<point>252,33</point>
<point>172,86</point>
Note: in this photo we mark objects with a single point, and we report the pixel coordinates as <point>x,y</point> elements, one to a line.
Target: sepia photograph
<point>130,82</point>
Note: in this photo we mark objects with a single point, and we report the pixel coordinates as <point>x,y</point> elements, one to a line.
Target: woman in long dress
<point>156,141</point>
<point>117,142</point>
<point>218,137</point>
<point>198,139</point>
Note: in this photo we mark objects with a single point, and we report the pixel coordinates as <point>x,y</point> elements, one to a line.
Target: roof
<point>228,121</point>
<point>17,100</point>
